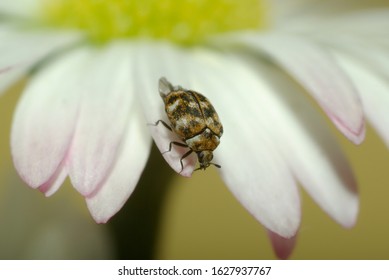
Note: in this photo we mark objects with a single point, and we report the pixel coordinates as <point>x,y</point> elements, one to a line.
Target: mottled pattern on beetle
<point>209,114</point>
<point>205,141</point>
<point>190,113</point>
<point>193,118</point>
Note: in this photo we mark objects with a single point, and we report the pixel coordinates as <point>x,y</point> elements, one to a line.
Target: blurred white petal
<point>102,116</point>
<point>128,167</point>
<point>366,24</point>
<point>318,72</point>
<point>20,8</point>
<point>55,182</point>
<point>258,177</point>
<point>310,150</point>
<point>20,50</point>
<point>376,59</point>
<point>45,118</point>
<point>373,88</point>
<point>314,15</point>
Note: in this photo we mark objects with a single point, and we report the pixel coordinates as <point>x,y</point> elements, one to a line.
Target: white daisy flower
<point>95,67</point>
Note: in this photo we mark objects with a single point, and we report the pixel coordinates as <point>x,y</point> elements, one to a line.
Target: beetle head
<point>205,158</point>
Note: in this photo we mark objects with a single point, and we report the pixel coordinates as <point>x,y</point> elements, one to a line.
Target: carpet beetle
<point>193,119</point>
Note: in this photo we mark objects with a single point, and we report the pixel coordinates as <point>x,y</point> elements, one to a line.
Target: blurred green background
<point>171,217</point>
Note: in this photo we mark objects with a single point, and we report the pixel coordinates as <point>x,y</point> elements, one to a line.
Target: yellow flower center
<point>181,21</point>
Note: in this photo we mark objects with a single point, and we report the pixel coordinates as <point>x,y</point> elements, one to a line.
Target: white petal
<point>20,50</point>
<point>281,111</point>
<point>45,119</point>
<point>319,163</point>
<point>153,63</point>
<point>55,182</point>
<point>105,102</point>
<point>365,23</point>
<point>311,151</point>
<point>20,8</point>
<point>251,164</point>
<point>372,53</point>
<point>313,15</point>
<point>257,175</point>
<point>126,171</point>
<point>318,72</point>
<point>376,59</point>
<point>373,89</point>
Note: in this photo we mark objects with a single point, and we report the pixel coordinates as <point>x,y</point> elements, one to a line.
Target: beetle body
<point>193,118</point>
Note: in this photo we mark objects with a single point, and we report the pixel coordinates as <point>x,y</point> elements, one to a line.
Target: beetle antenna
<point>214,164</point>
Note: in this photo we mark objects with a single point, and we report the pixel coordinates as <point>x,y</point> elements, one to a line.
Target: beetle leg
<point>175,143</point>
<point>164,124</point>
<point>184,156</point>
